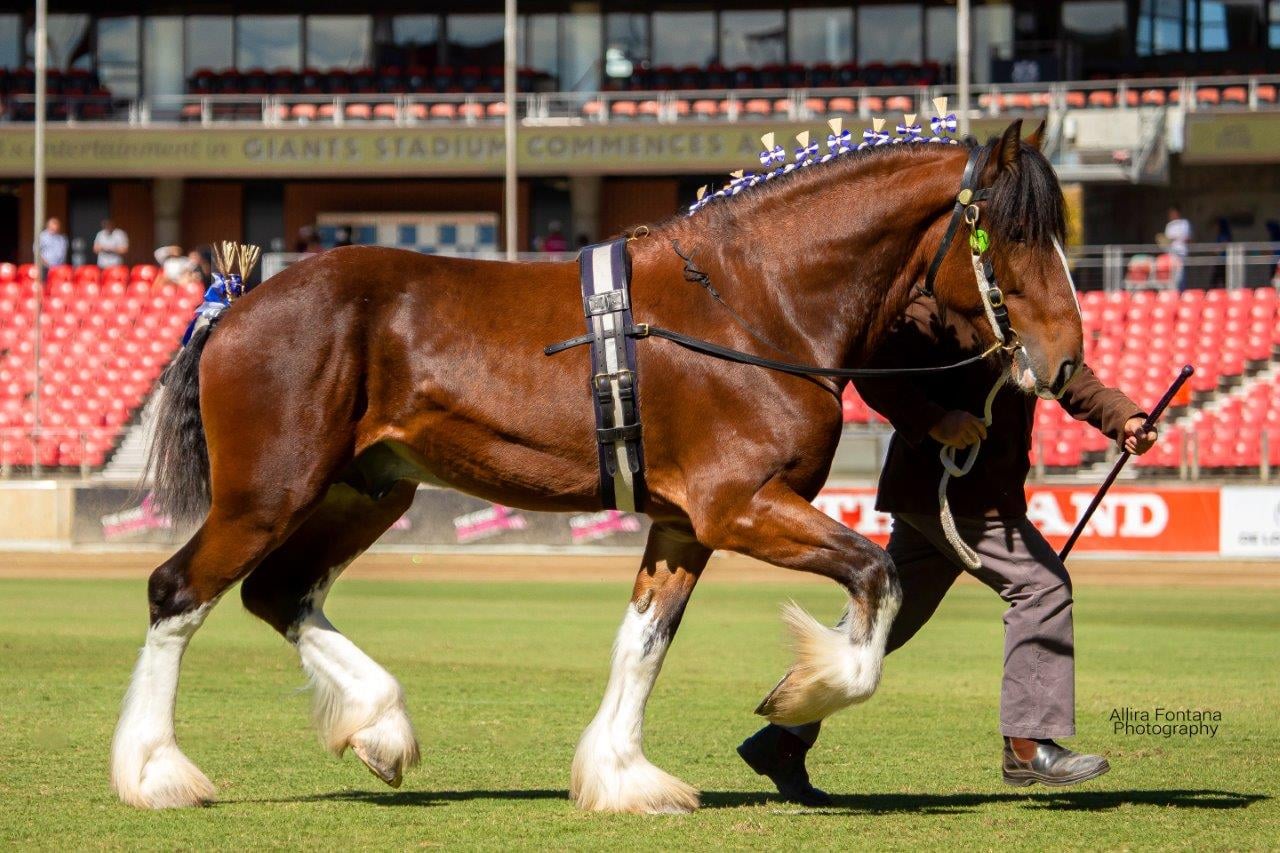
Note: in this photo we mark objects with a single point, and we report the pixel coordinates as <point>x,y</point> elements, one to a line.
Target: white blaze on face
<point>1066,270</point>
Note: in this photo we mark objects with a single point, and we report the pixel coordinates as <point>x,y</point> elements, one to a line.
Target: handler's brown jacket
<point>914,404</point>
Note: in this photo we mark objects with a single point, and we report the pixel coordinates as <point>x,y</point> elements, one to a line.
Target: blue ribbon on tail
<point>224,290</point>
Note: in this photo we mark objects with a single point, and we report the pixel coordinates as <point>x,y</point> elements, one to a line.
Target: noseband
<point>966,211</point>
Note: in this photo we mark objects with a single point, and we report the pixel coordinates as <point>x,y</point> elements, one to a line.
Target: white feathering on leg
<point>610,771</point>
<point>834,668</point>
<point>147,768</point>
<point>355,702</point>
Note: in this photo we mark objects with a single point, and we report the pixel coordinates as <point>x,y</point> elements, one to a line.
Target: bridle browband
<point>964,211</point>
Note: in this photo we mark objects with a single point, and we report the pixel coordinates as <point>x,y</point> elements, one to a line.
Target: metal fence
<point>1240,93</point>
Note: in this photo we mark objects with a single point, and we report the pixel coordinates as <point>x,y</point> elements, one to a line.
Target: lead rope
<point>950,469</point>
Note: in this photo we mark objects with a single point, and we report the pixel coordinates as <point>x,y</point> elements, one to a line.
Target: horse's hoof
<point>387,771</point>
<point>164,779</point>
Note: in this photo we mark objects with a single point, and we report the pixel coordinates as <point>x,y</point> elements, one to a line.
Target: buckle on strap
<point>613,435</point>
<point>608,302</point>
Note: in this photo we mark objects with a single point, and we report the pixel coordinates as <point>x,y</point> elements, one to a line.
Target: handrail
<point>989,99</point>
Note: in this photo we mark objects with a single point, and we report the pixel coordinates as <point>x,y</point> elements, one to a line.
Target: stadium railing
<point>1240,93</point>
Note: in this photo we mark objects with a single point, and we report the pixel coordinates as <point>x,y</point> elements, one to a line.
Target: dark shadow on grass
<point>414,798</point>
<point>960,803</point>
<point>846,804</point>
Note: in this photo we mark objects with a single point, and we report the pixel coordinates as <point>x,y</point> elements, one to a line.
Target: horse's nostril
<point>1065,372</point>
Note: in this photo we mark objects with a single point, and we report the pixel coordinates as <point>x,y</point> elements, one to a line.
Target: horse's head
<point>1017,227</point>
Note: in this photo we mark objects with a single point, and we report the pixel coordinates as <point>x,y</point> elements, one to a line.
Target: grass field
<point>502,677</point>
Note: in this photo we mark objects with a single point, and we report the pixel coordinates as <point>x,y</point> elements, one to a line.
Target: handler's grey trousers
<point>1037,696</point>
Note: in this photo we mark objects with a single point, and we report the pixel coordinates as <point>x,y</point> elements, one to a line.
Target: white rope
<point>950,469</point>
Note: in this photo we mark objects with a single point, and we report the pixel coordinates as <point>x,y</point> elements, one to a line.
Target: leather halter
<point>966,210</point>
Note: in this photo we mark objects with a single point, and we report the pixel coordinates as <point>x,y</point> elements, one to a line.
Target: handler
<point>1037,696</point>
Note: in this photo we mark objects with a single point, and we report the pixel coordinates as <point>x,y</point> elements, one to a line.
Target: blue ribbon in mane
<point>909,133</point>
<point>873,137</point>
<point>777,155</point>
<point>943,124</point>
<point>839,144</point>
<point>805,154</point>
<point>224,290</point>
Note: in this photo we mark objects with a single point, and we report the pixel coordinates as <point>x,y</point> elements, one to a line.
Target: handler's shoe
<point>777,753</point>
<point>1050,764</point>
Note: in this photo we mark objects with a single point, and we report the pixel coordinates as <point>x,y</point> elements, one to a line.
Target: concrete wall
<point>36,513</point>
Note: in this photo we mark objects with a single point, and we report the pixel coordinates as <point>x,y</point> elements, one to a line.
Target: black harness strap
<point>967,196</point>
<point>605,275</point>
<point>646,330</point>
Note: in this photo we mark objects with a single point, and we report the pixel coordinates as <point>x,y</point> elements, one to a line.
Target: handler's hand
<point>1135,440</point>
<point>958,429</point>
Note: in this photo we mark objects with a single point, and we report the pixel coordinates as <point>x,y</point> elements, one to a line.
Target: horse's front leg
<point>835,667</point>
<point>610,772</point>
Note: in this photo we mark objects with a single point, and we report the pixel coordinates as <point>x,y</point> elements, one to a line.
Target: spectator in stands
<point>308,241</point>
<point>111,245</point>
<point>174,265</point>
<point>197,267</point>
<point>929,412</point>
<point>1177,234</point>
<point>53,244</point>
<point>555,240</point>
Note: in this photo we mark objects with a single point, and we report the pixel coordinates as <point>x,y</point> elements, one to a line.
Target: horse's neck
<point>834,263</point>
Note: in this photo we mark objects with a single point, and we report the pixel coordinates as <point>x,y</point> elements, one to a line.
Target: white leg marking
<point>835,667</point>
<point>355,701</point>
<point>610,772</point>
<point>147,768</point>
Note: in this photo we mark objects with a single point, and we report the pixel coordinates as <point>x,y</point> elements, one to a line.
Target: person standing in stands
<point>1177,231</point>
<point>929,412</point>
<point>111,245</point>
<point>555,240</point>
<point>53,244</point>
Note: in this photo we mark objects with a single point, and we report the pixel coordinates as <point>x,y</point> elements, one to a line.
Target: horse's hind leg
<point>147,768</point>
<point>610,772</point>
<point>835,667</point>
<point>355,701</point>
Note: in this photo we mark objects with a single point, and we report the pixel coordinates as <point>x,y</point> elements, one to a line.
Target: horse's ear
<point>1009,146</point>
<point>1036,139</point>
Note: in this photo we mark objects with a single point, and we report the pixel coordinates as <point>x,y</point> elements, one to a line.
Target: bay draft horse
<point>299,427</point>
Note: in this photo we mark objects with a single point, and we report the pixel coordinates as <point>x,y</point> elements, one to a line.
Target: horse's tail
<point>178,462</point>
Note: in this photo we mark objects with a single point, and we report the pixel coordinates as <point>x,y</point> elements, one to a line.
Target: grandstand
<point>254,123</point>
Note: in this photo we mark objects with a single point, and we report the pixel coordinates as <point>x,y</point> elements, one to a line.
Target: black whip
<point>1183,375</point>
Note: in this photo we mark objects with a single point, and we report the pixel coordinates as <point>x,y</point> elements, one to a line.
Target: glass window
<point>1099,27</point>
<point>992,35</point>
<point>1159,27</point>
<point>408,40</point>
<point>338,41</point>
<point>583,45</point>
<point>415,30</point>
<point>210,43</point>
<point>756,37</point>
<point>118,55</point>
<point>268,41</point>
<point>69,43</point>
<point>10,41</point>
<point>164,67</point>
<point>889,34</point>
<point>1273,31</point>
<point>1230,25</point>
<point>821,35</point>
<point>684,38</point>
<point>473,39</point>
<point>539,43</point>
<point>626,43</point>
<point>940,35</point>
